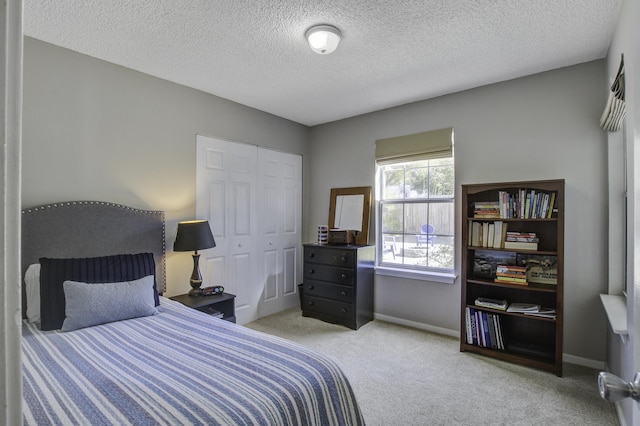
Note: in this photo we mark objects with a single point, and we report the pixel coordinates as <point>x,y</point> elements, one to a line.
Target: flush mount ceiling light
<point>323,39</point>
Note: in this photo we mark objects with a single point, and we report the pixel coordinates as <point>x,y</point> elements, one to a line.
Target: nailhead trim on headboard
<point>159,213</point>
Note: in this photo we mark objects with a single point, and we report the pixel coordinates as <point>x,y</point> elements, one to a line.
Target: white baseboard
<point>418,325</point>
<point>571,359</point>
<point>585,362</point>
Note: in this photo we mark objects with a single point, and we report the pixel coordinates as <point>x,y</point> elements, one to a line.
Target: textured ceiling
<point>393,51</point>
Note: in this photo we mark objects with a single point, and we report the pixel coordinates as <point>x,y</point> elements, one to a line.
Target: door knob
<point>613,388</point>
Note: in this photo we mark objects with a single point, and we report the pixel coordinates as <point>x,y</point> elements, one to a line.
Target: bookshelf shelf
<point>546,288</point>
<point>525,339</point>
<point>547,253</point>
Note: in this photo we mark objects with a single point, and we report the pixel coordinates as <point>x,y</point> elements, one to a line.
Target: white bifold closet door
<point>252,198</point>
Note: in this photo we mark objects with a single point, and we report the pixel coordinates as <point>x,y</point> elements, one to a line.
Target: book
<point>499,234</point>
<point>486,210</point>
<point>499,332</point>
<point>491,237</point>
<point>540,269</point>
<point>485,330</point>
<point>467,314</point>
<point>486,262</point>
<point>480,329</point>
<point>476,234</point>
<point>485,302</point>
<point>551,205</point>
<point>472,326</point>
<point>511,269</point>
<point>520,245</point>
<point>510,280</point>
<point>511,274</point>
<point>492,330</point>
<point>485,234</point>
<point>519,307</point>
<point>543,312</point>
<point>530,237</point>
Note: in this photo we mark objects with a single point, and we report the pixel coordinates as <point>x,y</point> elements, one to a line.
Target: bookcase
<point>513,272</point>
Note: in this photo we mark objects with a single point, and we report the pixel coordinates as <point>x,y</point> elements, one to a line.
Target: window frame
<point>441,275</point>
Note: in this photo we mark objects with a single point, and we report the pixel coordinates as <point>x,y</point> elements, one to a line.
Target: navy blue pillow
<point>105,269</point>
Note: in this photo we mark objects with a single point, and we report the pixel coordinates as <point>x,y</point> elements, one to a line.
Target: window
<point>415,193</point>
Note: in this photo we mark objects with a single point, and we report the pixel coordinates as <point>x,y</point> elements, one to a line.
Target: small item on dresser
<point>323,234</point>
<point>210,291</point>
<point>337,236</point>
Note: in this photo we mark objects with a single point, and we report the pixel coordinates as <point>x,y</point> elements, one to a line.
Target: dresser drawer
<point>330,291</point>
<point>332,274</point>
<point>330,256</point>
<point>328,307</point>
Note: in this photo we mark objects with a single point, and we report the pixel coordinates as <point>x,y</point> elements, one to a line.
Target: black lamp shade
<point>193,235</point>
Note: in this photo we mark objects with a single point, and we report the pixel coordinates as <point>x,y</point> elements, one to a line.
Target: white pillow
<point>32,284</point>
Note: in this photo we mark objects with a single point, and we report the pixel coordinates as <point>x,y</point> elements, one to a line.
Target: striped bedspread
<point>180,367</point>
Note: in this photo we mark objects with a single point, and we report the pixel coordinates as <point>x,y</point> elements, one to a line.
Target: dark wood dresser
<point>338,283</point>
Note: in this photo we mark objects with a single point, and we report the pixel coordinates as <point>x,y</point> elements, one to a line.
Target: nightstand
<point>224,303</point>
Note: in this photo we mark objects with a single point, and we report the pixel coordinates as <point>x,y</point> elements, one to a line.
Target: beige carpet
<point>404,376</point>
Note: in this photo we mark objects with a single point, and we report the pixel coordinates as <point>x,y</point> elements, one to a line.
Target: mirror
<point>350,209</point>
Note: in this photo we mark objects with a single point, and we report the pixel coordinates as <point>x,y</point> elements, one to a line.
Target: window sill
<point>436,277</point>
<point>616,308</point>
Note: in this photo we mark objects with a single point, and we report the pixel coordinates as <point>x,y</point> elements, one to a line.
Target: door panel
<point>280,197</point>
<point>270,275</point>
<point>226,196</point>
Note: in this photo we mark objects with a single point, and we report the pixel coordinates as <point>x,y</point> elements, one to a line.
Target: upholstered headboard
<point>91,229</point>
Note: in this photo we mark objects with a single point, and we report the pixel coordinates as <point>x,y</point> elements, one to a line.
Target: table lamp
<point>194,235</point>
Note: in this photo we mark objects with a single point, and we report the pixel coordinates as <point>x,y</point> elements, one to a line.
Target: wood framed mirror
<point>350,209</point>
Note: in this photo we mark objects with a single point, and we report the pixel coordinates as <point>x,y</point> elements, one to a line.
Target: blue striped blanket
<point>180,367</point>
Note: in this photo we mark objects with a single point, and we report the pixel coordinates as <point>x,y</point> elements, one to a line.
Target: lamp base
<point>195,292</point>
<point>196,277</point>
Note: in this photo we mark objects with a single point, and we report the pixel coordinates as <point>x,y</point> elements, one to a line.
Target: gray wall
<point>97,131</point>
<point>540,127</point>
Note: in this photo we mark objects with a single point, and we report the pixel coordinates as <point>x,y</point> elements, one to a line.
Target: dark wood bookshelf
<point>529,340</point>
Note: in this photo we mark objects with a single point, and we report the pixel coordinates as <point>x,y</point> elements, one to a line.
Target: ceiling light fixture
<point>323,39</point>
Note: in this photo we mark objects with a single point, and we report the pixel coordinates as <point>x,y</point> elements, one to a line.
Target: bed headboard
<point>91,229</point>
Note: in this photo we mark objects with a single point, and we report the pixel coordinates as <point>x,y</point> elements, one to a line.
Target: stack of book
<point>511,274</point>
<point>483,329</point>
<point>521,240</point>
<point>487,234</point>
<point>486,302</point>
<point>486,210</point>
<point>532,309</point>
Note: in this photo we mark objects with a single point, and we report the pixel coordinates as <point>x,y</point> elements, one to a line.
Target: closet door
<point>279,229</point>
<point>252,198</point>
<point>226,196</point>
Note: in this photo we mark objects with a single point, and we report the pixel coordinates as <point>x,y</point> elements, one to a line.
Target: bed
<point>166,363</point>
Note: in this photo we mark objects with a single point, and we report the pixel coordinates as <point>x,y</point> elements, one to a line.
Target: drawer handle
<point>312,254</point>
<point>344,276</point>
<point>344,258</point>
<point>312,271</point>
<point>310,303</point>
<point>343,310</point>
<point>344,293</point>
<point>311,287</point>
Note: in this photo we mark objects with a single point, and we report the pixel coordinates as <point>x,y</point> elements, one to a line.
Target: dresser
<point>338,283</point>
